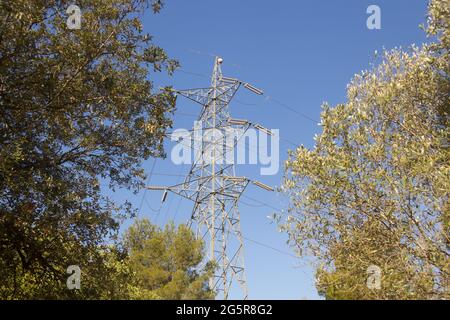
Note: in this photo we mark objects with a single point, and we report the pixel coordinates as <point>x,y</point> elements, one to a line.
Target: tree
<point>77,109</point>
<point>166,263</point>
<point>374,190</point>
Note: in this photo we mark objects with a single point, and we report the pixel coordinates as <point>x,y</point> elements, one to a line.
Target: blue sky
<point>301,53</point>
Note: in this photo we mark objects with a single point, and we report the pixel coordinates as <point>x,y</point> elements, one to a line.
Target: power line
<point>150,207</point>
<point>171,199</point>
<point>209,54</point>
<point>145,190</point>
<point>185,114</point>
<point>178,208</point>
<point>168,174</point>
<point>286,106</point>
<point>192,73</point>
<point>289,141</point>
<point>247,104</point>
<point>252,205</point>
<point>282,252</point>
<point>271,248</point>
<point>262,203</point>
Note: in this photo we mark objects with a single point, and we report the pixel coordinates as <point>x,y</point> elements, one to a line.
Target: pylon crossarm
<point>200,95</point>
<point>190,187</point>
<point>183,189</point>
<point>229,80</point>
<point>203,96</point>
<point>225,125</point>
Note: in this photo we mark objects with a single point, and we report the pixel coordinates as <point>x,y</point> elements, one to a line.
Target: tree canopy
<point>77,109</point>
<point>374,189</point>
<point>167,262</point>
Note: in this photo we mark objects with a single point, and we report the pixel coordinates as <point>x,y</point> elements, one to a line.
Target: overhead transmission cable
<point>145,190</point>
<point>270,247</point>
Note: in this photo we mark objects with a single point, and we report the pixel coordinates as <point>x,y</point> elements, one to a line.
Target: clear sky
<point>301,53</point>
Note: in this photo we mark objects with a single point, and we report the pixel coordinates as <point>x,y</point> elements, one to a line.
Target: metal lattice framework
<point>212,184</point>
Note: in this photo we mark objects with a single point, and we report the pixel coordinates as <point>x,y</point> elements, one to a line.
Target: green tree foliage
<point>166,262</point>
<point>76,107</point>
<point>374,189</point>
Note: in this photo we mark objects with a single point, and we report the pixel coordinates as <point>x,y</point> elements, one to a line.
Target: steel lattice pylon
<point>212,184</point>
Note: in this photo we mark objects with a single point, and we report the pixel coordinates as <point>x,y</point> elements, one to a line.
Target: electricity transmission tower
<point>212,184</point>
